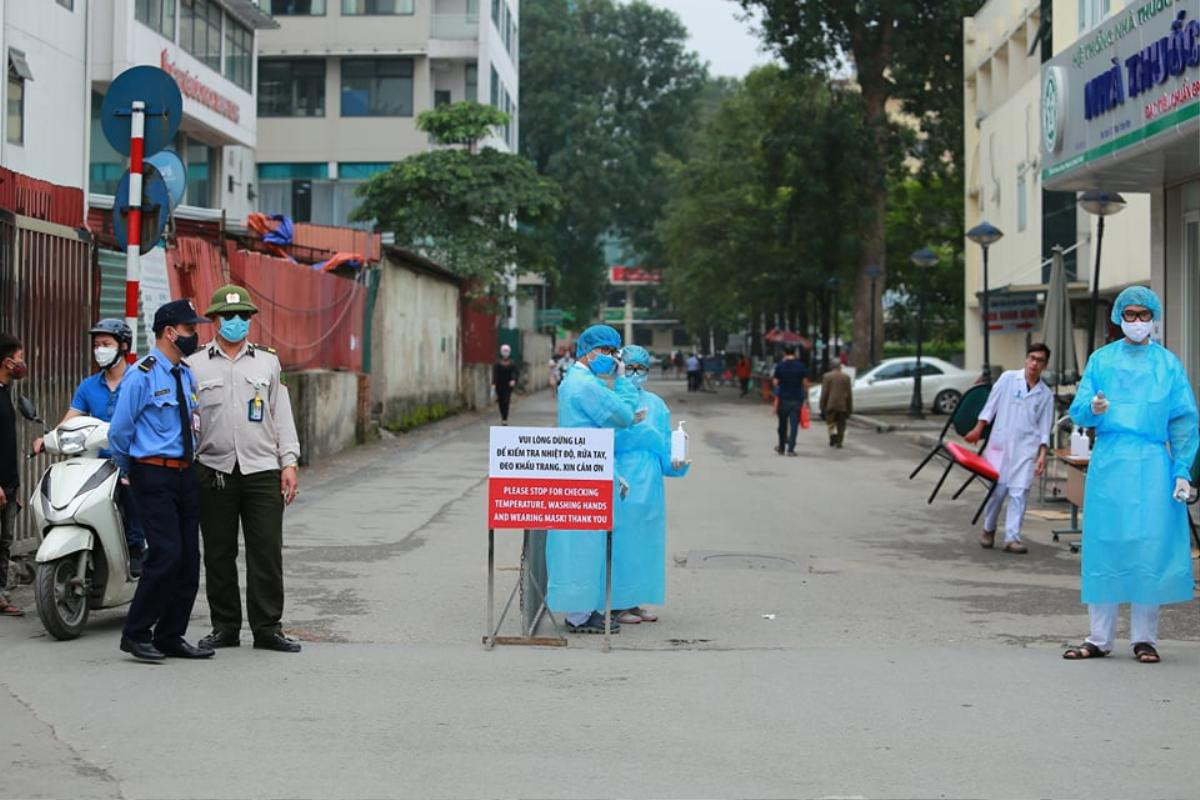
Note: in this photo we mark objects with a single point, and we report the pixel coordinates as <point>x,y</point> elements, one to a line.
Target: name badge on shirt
<point>196,422</point>
<point>255,413</point>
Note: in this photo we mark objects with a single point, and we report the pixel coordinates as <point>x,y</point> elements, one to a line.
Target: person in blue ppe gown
<point>575,559</point>
<point>1136,550</point>
<point>643,453</point>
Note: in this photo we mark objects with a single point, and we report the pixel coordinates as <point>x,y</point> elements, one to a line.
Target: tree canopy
<point>471,211</point>
<point>607,91</point>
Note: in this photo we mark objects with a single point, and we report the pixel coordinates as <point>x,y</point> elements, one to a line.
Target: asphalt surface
<point>827,634</point>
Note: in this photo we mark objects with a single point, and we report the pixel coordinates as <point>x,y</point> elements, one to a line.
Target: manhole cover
<point>718,559</point>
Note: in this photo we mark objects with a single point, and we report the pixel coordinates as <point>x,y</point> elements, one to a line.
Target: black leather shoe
<point>218,639</point>
<point>277,642</point>
<point>179,648</point>
<point>142,651</point>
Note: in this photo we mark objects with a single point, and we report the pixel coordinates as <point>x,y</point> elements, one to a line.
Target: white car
<point>888,386</point>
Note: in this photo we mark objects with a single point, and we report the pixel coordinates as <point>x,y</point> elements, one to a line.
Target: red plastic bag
<point>805,418</point>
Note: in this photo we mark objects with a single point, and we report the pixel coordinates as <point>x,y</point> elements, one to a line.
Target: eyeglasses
<point>238,314</point>
<point>1036,359</point>
<point>606,350</point>
<point>637,369</point>
<point>1129,315</point>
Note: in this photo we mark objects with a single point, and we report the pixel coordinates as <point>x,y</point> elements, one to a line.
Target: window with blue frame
<point>199,174</point>
<point>377,87</point>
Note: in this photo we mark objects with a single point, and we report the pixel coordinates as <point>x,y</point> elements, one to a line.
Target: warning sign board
<point>560,478</point>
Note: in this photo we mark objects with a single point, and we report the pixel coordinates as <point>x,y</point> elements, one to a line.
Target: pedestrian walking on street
<point>575,560</point>
<point>151,437</point>
<point>791,387</point>
<point>1136,549</point>
<point>504,381</point>
<point>248,453</point>
<point>742,370</point>
<point>678,360</point>
<point>12,368</point>
<point>96,396</point>
<point>643,459</point>
<point>837,402</point>
<point>695,375</point>
<point>1020,410</point>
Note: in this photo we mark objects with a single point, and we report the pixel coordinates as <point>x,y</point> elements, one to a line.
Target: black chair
<point>963,420</point>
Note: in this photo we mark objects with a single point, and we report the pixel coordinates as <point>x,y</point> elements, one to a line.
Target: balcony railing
<point>454,26</point>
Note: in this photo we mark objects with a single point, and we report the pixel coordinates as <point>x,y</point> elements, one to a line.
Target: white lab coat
<point>1021,420</point>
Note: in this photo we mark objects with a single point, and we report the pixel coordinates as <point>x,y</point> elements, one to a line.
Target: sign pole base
<point>492,637</point>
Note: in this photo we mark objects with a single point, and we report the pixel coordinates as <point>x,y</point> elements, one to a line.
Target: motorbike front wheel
<point>62,603</point>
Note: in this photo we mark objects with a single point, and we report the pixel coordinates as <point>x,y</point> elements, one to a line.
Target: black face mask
<point>187,344</point>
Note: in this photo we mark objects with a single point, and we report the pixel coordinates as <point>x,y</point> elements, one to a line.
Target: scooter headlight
<point>72,442</point>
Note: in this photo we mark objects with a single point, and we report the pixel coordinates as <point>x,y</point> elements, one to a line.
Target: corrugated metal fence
<point>314,320</point>
<point>48,300</point>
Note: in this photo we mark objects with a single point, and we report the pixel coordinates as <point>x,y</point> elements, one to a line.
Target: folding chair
<point>980,468</point>
<point>962,420</point>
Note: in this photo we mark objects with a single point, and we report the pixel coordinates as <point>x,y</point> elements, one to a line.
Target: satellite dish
<point>156,209</point>
<point>164,108</point>
<point>174,173</point>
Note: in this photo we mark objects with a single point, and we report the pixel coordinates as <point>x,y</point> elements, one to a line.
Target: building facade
<point>63,55</point>
<point>1005,46</point>
<point>1121,106</point>
<point>340,84</point>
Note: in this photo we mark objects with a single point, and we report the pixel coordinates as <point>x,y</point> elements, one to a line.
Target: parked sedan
<point>888,386</point>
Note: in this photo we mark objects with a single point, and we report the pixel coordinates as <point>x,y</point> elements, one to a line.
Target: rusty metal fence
<point>48,300</point>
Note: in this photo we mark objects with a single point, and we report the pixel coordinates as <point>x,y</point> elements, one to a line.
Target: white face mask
<point>1137,331</point>
<point>105,356</point>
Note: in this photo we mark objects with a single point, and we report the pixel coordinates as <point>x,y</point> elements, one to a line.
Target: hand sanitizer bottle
<point>1081,446</point>
<point>679,443</point>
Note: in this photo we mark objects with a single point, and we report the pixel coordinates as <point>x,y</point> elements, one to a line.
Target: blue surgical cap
<point>597,336</point>
<point>632,354</point>
<point>1136,296</point>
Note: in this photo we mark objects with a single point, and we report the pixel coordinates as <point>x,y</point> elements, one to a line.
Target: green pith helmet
<point>230,298</point>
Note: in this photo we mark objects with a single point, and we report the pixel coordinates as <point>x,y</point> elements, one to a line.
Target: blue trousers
<point>169,503</point>
<point>789,423</point>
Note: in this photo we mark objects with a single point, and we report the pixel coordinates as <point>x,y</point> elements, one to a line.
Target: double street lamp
<point>924,259</point>
<point>985,235</point>
<point>1100,204</point>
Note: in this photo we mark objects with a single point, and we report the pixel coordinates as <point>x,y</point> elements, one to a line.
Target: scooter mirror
<point>27,410</point>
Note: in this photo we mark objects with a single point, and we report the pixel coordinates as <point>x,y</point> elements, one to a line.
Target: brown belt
<point>169,463</point>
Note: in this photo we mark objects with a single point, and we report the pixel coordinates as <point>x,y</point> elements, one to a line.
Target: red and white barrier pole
<point>133,249</point>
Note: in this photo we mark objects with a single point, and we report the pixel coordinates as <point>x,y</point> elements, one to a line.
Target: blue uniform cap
<point>1136,296</point>
<point>176,312</point>
<point>633,354</point>
<point>597,336</point>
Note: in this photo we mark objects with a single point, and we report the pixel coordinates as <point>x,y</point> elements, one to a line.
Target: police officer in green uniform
<point>247,452</point>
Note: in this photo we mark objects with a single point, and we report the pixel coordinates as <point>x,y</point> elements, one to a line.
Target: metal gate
<point>48,300</point>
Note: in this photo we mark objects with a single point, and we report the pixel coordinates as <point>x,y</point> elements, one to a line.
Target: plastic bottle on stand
<point>679,443</point>
<point>1081,446</point>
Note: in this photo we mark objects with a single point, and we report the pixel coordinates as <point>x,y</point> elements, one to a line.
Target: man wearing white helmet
<point>504,380</point>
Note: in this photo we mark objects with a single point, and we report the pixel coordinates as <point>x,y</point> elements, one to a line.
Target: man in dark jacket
<point>12,368</point>
<point>504,381</point>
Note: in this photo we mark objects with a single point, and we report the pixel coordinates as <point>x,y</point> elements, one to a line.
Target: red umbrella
<point>776,336</point>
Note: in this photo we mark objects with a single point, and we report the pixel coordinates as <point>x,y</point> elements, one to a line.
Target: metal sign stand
<point>491,637</point>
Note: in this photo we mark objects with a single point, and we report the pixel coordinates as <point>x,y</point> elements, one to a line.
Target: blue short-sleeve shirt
<point>94,398</point>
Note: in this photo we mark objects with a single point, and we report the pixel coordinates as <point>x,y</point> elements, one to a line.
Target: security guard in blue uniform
<point>151,437</point>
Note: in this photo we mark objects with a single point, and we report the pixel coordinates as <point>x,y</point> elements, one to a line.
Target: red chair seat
<point>972,462</point>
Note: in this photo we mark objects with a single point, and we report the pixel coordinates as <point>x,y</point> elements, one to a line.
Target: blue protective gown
<point>1135,535</point>
<point>640,534</point>
<point>575,559</point>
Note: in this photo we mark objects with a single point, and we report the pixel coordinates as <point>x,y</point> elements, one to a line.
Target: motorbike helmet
<point>115,328</point>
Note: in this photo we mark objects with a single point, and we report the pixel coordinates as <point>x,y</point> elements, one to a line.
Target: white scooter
<point>83,560</point>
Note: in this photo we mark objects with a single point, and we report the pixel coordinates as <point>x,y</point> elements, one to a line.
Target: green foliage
<point>607,90</point>
<point>765,210</point>
<point>422,415</point>
<point>947,351</point>
<point>464,123</point>
<point>472,211</point>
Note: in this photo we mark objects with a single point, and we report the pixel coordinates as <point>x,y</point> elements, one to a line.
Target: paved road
<point>899,659</point>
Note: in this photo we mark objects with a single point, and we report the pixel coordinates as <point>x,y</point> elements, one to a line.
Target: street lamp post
<point>873,272</point>
<point>985,235</point>
<point>1100,204</point>
<point>924,259</point>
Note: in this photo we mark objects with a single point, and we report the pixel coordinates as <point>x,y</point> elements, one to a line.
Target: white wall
<point>57,100</point>
<point>415,355</point>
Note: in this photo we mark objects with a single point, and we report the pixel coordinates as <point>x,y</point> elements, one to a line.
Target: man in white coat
<point>1021,412</point>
